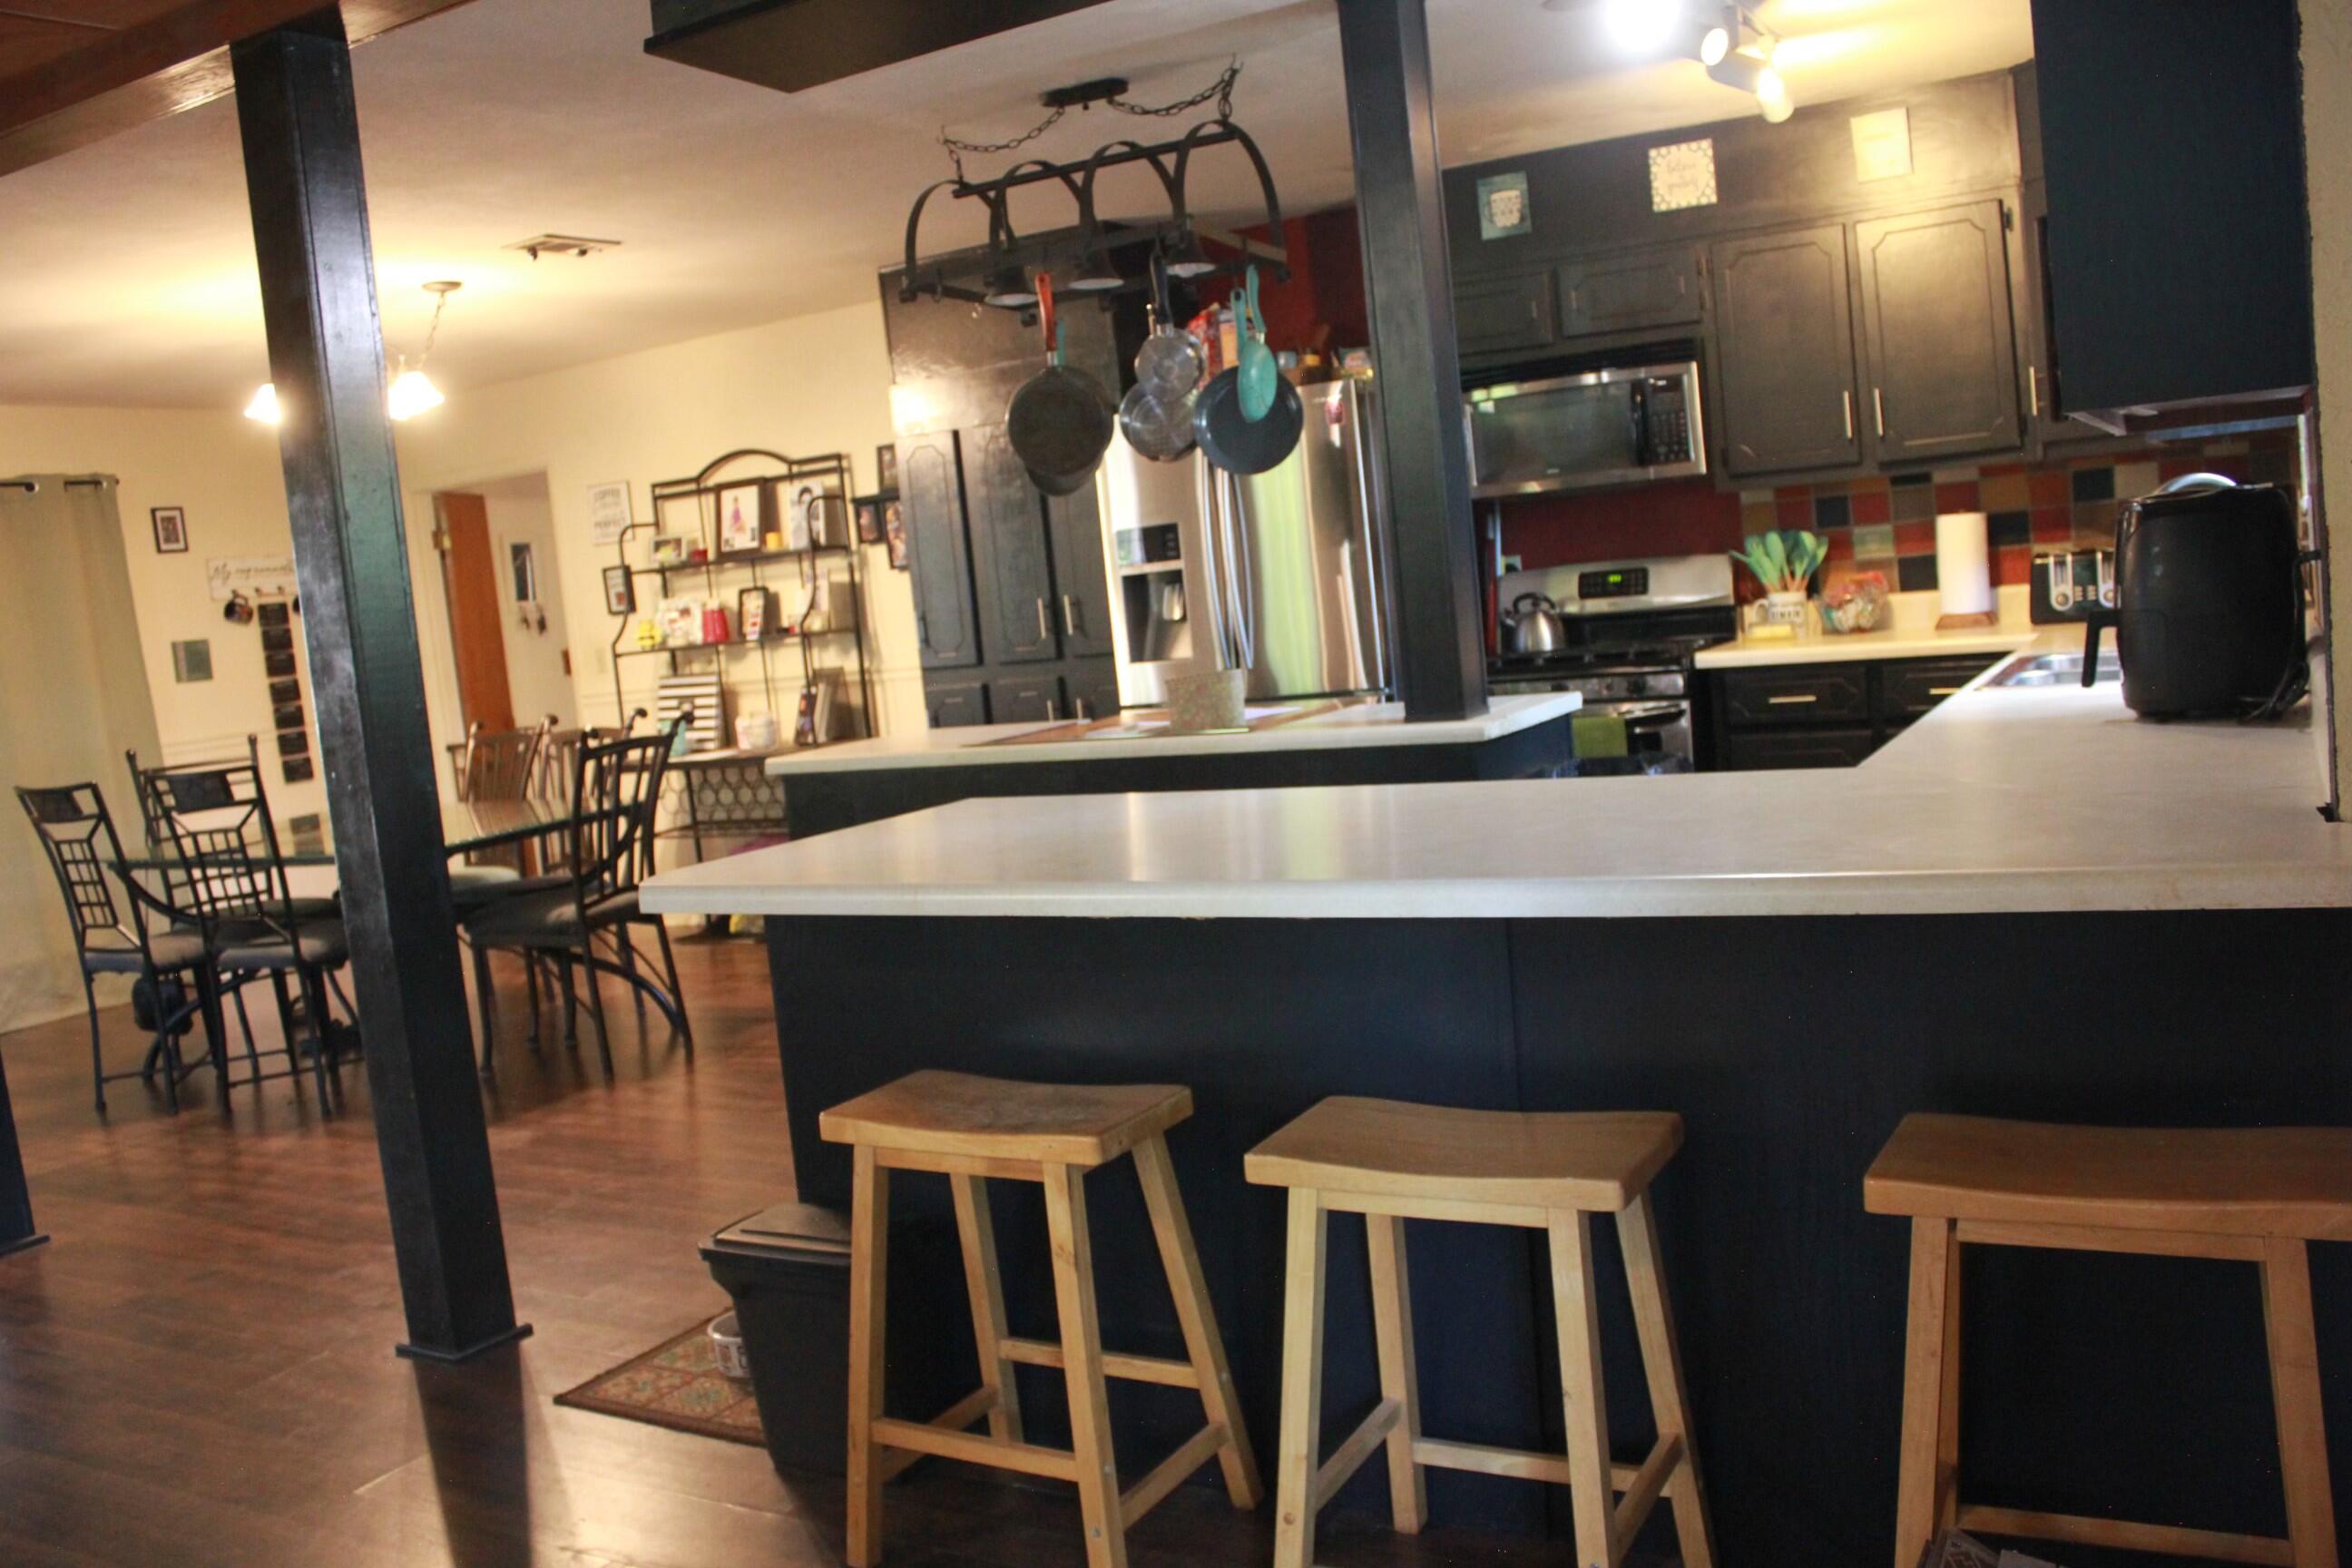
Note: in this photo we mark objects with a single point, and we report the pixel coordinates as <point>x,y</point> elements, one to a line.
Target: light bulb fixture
<point>412,393</point>
<point>1745,72</point>
<point>1185,257</point>
<point>1772,96</point>
<point>1642,26</point>
<point>263,409</point>
<point>1009,289</point>
<point>1734,32</point>
<point>1094,273</point>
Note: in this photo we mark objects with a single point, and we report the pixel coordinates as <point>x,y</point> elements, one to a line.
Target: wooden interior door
<point>477,611</point>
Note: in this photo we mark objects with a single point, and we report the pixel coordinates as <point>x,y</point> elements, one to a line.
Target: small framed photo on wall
<point>894,529</point>
<point>171,530</point>
<point>277,665</point>
<point>886,467</point>
<point>620,591</point>
<point>870,522</point>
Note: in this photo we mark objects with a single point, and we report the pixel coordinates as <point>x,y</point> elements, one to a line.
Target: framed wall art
<point>620,590</point>
<point>171,524</point>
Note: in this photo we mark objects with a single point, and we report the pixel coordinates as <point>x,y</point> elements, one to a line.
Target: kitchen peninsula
<point>1291,742</point>
<point>1902,936</point>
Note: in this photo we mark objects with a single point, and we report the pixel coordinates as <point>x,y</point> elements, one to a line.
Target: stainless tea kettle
<point>1532,624</point>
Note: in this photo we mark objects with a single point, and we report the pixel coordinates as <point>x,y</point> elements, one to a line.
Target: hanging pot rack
<point>1171,161</point>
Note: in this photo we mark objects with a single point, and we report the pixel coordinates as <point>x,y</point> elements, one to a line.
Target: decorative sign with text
<point>256,576</point>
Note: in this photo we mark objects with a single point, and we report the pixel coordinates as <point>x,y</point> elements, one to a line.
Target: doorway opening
<point>508,642</point>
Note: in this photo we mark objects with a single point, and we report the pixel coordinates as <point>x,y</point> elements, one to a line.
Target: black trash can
<point>787,1268</point>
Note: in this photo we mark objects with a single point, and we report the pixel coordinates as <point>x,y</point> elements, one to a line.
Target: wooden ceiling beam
<point>175,60</point>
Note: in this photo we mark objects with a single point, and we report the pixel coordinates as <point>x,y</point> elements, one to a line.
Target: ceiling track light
<point>1734,31</point>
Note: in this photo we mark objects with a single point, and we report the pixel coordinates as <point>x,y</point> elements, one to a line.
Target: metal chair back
<point>176,902</point>
<point>617,791</point>
<point>498,765</point>
<point>78,835</point>
<point>223,847</point>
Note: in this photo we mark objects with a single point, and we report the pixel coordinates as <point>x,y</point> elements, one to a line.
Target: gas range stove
<point>1629,628</point>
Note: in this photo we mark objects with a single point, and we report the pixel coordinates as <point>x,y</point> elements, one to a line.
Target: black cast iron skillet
<point>1059,422</point>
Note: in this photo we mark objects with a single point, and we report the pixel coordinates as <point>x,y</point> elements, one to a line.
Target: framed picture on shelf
<point>620,591</point>
<point>885,466</point>
<point>870,522</point>
<point>170,529</point>
<point>894,529</point>
<point>740,511</point>
<point>670,549</point>
<point>755,613</point>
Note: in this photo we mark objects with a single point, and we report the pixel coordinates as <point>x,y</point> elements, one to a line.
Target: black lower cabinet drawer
<point>1910,688</point>
<point>1741,752</point>
<point>1802,694</point>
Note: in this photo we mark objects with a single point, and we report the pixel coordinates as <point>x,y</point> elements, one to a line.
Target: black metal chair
<point>110,935</point>
<point>586,924</point>
<point>159,836</point>
<point>227,870</point>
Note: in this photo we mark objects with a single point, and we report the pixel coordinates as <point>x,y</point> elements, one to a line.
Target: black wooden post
<point>1441,662</point>
<point>17,1232</point>
<point>326,355</point>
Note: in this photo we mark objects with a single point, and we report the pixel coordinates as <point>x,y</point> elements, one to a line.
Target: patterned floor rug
<point>675,1385</point>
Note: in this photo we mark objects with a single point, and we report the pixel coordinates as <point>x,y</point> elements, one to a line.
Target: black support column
<point>326,355</point>
<point>17,1232</point>
<point>1440,663</point>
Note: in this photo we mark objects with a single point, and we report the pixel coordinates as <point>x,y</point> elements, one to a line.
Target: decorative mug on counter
<point>1785,607</point>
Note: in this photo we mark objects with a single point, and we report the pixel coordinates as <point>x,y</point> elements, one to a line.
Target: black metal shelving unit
<point>718,798</point>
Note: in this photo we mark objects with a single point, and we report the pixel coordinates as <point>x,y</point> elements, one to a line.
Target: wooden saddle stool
<point>972,1128</point>
<point>2256,1194</point>
<point>1392,1162</point>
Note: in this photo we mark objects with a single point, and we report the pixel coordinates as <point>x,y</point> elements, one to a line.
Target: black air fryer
<point>2208,602</point>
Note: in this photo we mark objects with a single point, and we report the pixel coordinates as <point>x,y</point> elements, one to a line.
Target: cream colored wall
<point>805,387</point>
<point>224,470</point>
<point>519,514</point>
<point>2326,131</point>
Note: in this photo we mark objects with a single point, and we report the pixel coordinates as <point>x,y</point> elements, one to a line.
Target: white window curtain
<point>73,695</point>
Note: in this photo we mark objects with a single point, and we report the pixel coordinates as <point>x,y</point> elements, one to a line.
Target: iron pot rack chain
<point>1220,89</point>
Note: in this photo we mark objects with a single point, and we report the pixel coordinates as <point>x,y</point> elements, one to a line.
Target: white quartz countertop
<point>1910,634</point>
<point>1363,724</point>
<point>2000,800</point>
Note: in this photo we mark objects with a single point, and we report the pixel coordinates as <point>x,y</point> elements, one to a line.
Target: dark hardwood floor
<point>198,1370</point>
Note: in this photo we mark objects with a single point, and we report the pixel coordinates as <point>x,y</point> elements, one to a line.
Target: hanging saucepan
<point>1155,417</point>
<point>1059,422</point>
<point>1171,361</point>
<point>1233,441</point>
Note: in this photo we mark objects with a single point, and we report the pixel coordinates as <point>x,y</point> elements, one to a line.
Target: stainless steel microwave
<point>1613,426</point>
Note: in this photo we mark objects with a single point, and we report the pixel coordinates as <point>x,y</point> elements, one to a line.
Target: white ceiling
<point>127,272</point>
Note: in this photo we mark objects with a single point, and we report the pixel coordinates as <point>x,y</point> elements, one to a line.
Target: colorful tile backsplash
<point>1887,524</point>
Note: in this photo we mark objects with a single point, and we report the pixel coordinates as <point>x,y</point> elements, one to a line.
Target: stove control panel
<point>1614,583</point>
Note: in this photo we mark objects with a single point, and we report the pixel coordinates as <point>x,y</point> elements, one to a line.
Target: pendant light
<point>263,409</point>
<point>1008,288</point>
<point>412,393</point>
<point>1185,257</point>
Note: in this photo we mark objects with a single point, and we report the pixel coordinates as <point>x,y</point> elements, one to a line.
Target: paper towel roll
<point>1964,563</point>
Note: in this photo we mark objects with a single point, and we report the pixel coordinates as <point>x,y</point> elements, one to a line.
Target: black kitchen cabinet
<point>1632,293</point>
<point>1017,699</point>
<point>1796,694</point>
<point>931,491</point>
<point>1772,751</point>
<point>954,707</point>
<point>1938,342</point>
<point>1909,688</point>
<point>1824,715</point>
<point>2171,142</point>
<point>1081,579</point>
<point>1093,688</point>
<point>1010,561</point>
<point>1784,352</point>
<point>2045,426</point>
<point>1497,315</point>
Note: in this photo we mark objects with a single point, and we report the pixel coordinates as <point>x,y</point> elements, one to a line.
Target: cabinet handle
<point>1045,624</point>
<point>1069,615</point>
<point>2033,390</point>
<point>1847,398</point>
<point>1943,691</point>
<point>1078,707</point>
<point>1801,697</point>
<point>1571,302</point>
<point>1052,711</point>
<point>1878,409</point>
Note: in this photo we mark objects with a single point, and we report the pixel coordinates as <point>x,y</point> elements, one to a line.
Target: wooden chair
<point>973,1129</point>
<point>2256,1194</point>
<point>1392,1162</point>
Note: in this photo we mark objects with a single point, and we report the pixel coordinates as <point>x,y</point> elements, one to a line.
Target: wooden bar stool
<point>2256,1194</point>
<point>1392,1162</point>
<point>972,1128</point>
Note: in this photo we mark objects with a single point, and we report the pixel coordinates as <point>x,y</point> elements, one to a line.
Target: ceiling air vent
<point>540,244</point>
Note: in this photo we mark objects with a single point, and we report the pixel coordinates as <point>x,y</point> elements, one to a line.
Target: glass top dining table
<point>468,827</point>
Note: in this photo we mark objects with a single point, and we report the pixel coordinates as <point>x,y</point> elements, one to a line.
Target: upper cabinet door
<point>1784,353</point>
<point>932,494</point>
<point>1499,314</point>
<point>1937,339</point>
<point>1633,293</point>
<point>1082,604</point>
<point>1008,541</point>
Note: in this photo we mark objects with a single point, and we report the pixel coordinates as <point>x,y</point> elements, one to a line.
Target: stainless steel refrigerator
<point>1283,573</point>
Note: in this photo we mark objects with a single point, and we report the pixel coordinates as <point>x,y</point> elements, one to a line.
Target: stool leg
<point>1299,1452</point>
<point>1074,1295</point>
<point>1583,1396</point>
<point>1947,1424</point>
<point>976,1228</point>
<point>1203,1345</point>
<point>869,1261</point>
<point>1400,1381</point>
<point>2294,1388</point>
<point>1915,1506</point>
<point>1661,1362</point>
